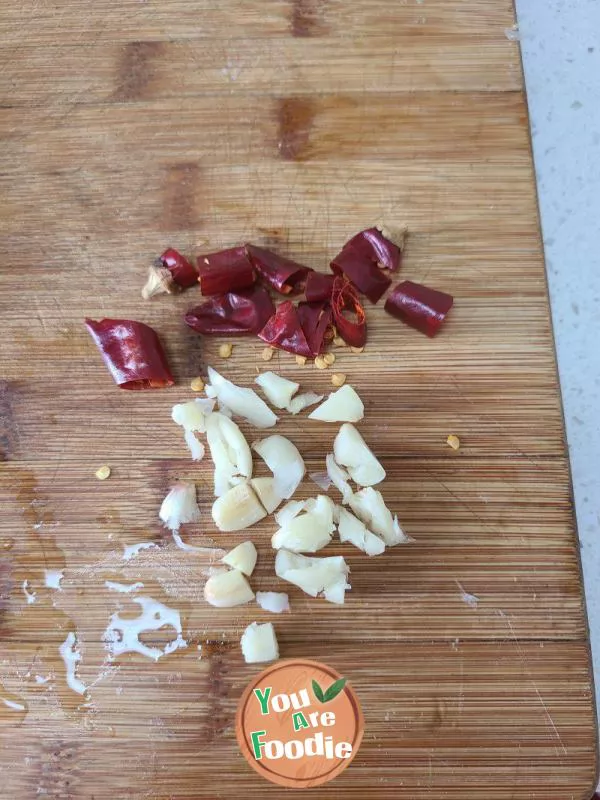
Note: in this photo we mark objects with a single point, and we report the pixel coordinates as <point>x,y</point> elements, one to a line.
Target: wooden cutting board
<point>129,126</point>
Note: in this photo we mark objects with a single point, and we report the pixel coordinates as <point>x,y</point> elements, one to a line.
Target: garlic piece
<point>243,558</point>
<point>341,406</point>
<point>237,509</point>
<point>369,506</point>
<point>229,451</point>
<point>241,401</point>
<point>227,589</point>
<point>350,450</point>
<point>267,493</point>
<point>339,478</point>
<point>352,530</point>
<point>192,417</point>
<point>275,602</point>
<point>289,511</point>
<point>285,462</point>
<point>315,576</point>
<point>309,531</point>
<point>180,506</point>
<point>302,401</point>
<point>259,643</point>
<point>279,391</point>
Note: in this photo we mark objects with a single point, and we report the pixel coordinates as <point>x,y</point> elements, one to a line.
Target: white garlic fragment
<point>227,589</point>
<point>240,400</point>
<point>259,643</point>
<point>309,531</point>
<point>302,401</point>
<point>369,506</point>
<point>351,451</point>
<point>192,418</point>
<point>267,492</point>
<point>237,509</point>
<point>289,511</point>
<point>279,391</point>
<point>229,450</point>
<point>275,602</point>
<point>243,558</point>
<point>352,530</point>
<point>179,506</point>
<point>344,405</point>
<point>339,478</point>
<point>283,458</point>
<point>315,576</point>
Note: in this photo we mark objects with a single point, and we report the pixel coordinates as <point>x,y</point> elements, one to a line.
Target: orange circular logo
<point>299,723</point>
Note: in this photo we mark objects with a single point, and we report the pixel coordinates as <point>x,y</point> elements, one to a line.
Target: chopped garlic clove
<point>229,451</point>
<point>302,401</point>
<point>339,478</point>
<point>196,448</point>
<point>227,589</point>
<point>259,643</point>
<point>192,417</point>
<point>327,576</point>
<point>275,602</point>
<point>285,462</point>
<point>369,506</point>
<point>266,490</point>
<point>341,406</point>
<point>242,401</point>
<point>237,509</point>
<point>309,531</point>
<point>243,558</point>
<point>351,451</point>
<point>352,530</point>
<point>289,511</point>
<point>279,391</point>
<point>180,506</point>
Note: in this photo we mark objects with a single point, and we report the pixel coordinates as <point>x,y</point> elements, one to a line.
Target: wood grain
<point>293,123</point>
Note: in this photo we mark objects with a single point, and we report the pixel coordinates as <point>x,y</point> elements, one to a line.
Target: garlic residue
<point>192,418</point>
<point>279,391</point>
<point>302,401</point>
<point>180,506</point>
<point>339,478</point>
<point>275,602</point>
<point>259,643</point>
<point>240,400</point>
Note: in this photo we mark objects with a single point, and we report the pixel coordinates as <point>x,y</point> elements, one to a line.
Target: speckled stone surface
<point>560,41</point>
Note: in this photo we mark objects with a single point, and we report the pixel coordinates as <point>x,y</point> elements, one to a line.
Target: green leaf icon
<point>318,692</point>
<point>334,689</point>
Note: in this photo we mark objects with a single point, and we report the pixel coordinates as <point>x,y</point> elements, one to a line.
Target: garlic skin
<point>237,509</point>
<point>302,401</point>
<point>243,558</point>
<point>283,458</point>
<point>240,400</point>
<point>341,406</point>
<point>315,576</point>
<point>179,506</point>
<point>229,451</point>
<point>369,506</point>
<point>227,589</point>
<point>267,492</point>
<point>279,391</point>
<point>339,478</point>
<point>275,602</point>
<point>352,530</point>
<point>259,643</point>
<point>351,451</point>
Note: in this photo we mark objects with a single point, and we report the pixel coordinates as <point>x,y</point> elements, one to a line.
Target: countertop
<point>560,41</point>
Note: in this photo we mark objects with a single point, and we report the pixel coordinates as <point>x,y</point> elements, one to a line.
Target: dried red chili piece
<point>318,287</point>
<point>345,300</point>
<point>372,244</point>
<point>232,314</point>
<point>225,271</point>
<point>284,331</point>
<point>282,274</point>
<point>170,273</point>
<point>363,273</point>
<point>315,321</point>
<point>423,308</point>
<point>132,352</point>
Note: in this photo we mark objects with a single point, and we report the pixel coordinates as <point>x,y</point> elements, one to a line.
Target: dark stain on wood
<point>295,116</point>
<point>136,70</point>
<point>181,189</point>
<point>307,18</point>
<point>8,429</point>
<point>218,718</point>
